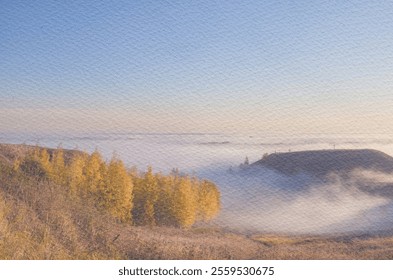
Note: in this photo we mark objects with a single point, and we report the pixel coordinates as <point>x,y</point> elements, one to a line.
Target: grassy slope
<point>38,220</point>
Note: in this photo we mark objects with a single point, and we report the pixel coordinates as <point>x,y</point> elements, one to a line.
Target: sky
<point>196,66</point>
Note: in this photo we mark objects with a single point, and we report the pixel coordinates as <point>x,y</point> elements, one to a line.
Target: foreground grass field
<point>40,220</point>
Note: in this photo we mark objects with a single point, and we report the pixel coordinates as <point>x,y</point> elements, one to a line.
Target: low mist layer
<point>262,200</point>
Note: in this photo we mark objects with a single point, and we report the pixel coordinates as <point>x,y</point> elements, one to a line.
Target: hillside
<point>10,152</point>
<point>40,219</point>
<point>323,162</point>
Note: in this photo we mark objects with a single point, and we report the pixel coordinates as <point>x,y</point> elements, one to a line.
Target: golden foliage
<point>116,192</point>
<point>185,203</point>
<point>58,169</point>
<point>74,173</point>
<point>208,200</point>
<point>144,198</point>
<point>93,171</point>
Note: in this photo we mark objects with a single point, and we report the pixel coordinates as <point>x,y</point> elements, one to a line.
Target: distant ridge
<point>323,162</point>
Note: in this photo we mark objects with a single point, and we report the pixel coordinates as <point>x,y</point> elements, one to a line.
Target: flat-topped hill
<point>323,162</point>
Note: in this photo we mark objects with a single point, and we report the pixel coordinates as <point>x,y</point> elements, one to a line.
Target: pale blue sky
<point>301,66</point>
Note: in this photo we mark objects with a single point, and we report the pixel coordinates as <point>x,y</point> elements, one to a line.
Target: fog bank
<point>259,200</point>
<point>264,201</point>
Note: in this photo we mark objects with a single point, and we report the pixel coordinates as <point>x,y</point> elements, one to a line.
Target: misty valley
<point>193,196</point>
<point>317,192</point>
<point>244,130</point>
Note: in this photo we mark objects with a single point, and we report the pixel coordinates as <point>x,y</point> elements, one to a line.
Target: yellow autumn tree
<point>208,200</point>
<point>44,158</point>
<point>145,198</point>
<point>164,209</point>
<point>116,191</point>
<point>185,203</point>
<point>75,173</point>
<point>93,172</point>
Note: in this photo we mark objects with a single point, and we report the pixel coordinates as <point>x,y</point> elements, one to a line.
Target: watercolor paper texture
<point>196,129</point>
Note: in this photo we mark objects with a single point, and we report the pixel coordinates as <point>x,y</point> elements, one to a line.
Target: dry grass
<point>326,247</point>
<point>38,220</point>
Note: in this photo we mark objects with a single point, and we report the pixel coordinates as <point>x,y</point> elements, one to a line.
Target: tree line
<point>131,196</point>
